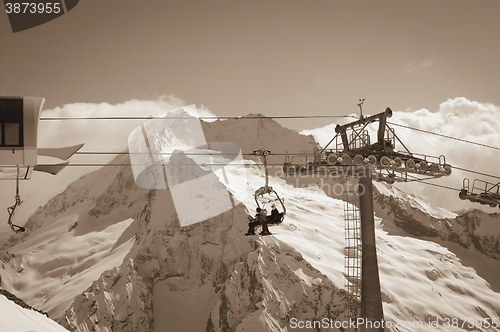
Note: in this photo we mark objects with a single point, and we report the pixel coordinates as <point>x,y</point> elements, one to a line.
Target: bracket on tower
<point>352,146</point>
<point>481,192</point>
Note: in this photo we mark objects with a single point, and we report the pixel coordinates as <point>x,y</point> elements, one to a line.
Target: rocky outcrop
<point>481,231</point>
<point>473,228</point>
<point>19,301</point>
<point>272,286</point>
<point>244,283</point>
<point>117,301</point>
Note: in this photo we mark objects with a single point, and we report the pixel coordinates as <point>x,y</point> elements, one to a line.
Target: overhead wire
<point>261,117</point>
<point>201,117</point>
<point>415,179</point>
<point>238,164</point>
<point>187,153</point>
<point>439,185</point>
<point>475,172</point>
<point>195,164</point>
<point>233,164</point>
<point>248,154</point>
<point>445,136</point>
<point>435,185</point>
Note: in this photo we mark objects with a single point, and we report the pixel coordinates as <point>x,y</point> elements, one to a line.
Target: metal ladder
<point>352,251</point>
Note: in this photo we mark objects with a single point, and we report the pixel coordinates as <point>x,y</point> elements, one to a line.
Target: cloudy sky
<point>435,63</point>
<point>274,57</point>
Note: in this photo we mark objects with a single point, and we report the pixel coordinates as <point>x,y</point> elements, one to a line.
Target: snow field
<point>420,280</point>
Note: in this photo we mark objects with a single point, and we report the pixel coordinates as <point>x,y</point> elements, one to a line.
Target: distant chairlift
<point>482,192</point>
<point>19,118</point>
<point>266,195</point>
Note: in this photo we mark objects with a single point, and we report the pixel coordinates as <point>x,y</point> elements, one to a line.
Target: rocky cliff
<point>469,229</point>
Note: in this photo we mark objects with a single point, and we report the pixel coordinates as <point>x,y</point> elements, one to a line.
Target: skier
<point>275,215</point>
<point>263,221</point>
<point>252,222</point>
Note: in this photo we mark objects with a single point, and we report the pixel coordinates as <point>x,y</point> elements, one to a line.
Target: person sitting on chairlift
<point>263,221</point>
<point>275,215</point>
<point>260,218</point>
<point>252,222</point>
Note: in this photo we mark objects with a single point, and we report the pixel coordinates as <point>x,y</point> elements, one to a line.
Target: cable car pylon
<point>353,155</point>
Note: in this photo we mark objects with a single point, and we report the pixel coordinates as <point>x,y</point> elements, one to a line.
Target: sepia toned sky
<point>271,57</point>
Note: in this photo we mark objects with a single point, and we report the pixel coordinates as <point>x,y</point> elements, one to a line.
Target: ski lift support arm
<point>263,152</point>
<point>12,208</point>
<point>342,129</point>
<point>381,117</point>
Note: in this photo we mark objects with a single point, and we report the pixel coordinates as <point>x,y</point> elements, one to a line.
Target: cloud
<point>320,80</point>
<point>460,118</point>
<point>323,135</point>
<point>99,135</point>
<point>413,67</point>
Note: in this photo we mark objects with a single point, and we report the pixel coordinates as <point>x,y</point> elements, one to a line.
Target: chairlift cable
<point>201,117</point>
<point>415,179</point>
<point>159,153</point>
<point>202,164</point>
<point>475,172</point>
<point>446,136</point>
<point>261,117</point>
<point>186,153</point>
<point>246,154</point>
<point>441,186</point>
<point>232,164</point>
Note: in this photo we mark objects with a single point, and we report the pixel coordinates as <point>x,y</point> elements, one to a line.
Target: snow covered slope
<point>422,279</point>
<point>473,235</point>
<point>68,244</point>
<point>16,316</point>
<point>110,256</point>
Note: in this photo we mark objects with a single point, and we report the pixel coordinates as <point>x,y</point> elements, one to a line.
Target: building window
<point>11,123</point>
